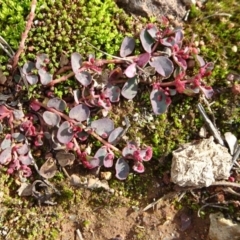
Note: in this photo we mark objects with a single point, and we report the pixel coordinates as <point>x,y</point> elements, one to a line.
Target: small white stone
<point>234,48</point>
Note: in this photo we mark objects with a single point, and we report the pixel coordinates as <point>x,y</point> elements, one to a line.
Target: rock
<point>222,228</point>
<point>231,141</point>
<point>147,8</point>
<point>200,164</point>
<point>189,2</point>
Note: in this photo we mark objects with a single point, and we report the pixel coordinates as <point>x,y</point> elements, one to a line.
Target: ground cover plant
<point>73,109</point>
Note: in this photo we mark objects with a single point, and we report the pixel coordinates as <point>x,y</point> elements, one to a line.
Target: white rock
<point>189,2</point>
<point>222,228</point>
<point>200,164</point>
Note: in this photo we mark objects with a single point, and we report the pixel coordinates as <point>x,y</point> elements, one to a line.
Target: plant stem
<point>25,34</point>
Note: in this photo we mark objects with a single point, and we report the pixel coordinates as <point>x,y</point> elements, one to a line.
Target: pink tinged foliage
<point>28,128</point>
<point>34,106</point>
<point>6,156</point>
<point>138,167</point>
<point>146,40</point>
<point>112,92</point>
<point>127,47</point>
<point>76,61</point>
<point>130,88</point>
<point>159,100</point>
<point>207,90</point>
<point>122,169</point>
<point>108,160</point>
<point>26,171</point>
<point>103,127</point>
<point>80,112</point>
<point>131,70</point>
<point>65,133</point>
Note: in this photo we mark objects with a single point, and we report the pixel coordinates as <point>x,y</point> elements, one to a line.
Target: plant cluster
<point>61,123</point>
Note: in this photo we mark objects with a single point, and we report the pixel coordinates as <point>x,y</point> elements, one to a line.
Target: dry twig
<point>24,35</point>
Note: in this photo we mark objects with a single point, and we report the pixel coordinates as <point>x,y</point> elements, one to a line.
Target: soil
<point>105,223</point>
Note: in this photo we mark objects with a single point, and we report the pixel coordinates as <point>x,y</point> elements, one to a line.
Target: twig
<point>229,190</point>
<point>211,205</point>
<point>216,14</point>
<point>209,108</point>
<point>79,234</point>
<point>25,34</point>
<point>210,125</point>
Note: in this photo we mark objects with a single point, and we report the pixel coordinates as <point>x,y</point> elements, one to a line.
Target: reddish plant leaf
<point>103,127</point>
<point>129,150</point>
<point>76,61</point>
<point>51,119</point>
<point>160,101</point>
<point>131,70</point>
<point>42,60</point>
<point>130,88</point>
<point>6,156</point>
<point>85,78</point>
<point>112,92</point>
<point>23,150</point>
<point>208,91</point>
<point>127,47</point>
<point>138,167</point>
<point>122,169</point>
<point>113,137</point>
<point>163,65</point>
<point>146,40</point>
<point>108,160</point>
<point>45,77</point>
<point>143,59</point>
<point>7,142</point>
<point>65,133</point>
<point>153,31</point>
<point>80,112</point>
<point>57,103</point>
<point>100,154</point>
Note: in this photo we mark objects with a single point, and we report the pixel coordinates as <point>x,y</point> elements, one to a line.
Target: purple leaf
<point>65,133</point>
<point>76,95</point>
<point>100,154</point>
<point>143,59</point>
<point>138,167</point>
<point>122,169</point>
<point>19,137</point>
<point>18,114</point>
<point>84,78</point>
<point>208,91</point>
<point>153,31</point>
<point>76,61</point>
<point>45,77</point>
<point>130,88</point>
<point>131,70</point>
<point>32,79</point>
<point>28,67</point>
<point>113,137</point>
<point>163,65</point>
<point>57,103</point>
<point>42,59</point>
<point>108,160</point>
<point>82,135</point>
<point>168,41</point>
<point>80,112</point>
<point>180,61</point>
<point>159,101</point>
<point>146,40</point>
<point>115,74</point>
<point>112,92</point>
<point>26,160</point>
<point>179,37</point>
<point>129,150</point>
<point>51,119</point>
<point>7,142</point>
<point>127,47</point>
<point>23,150</point>
<point>6,156</point>
<point>94,162</point>
<point>103,127</point>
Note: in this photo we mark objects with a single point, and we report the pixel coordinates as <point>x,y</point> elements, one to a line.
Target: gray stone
<point>158,8</point>
<point>222,228</point>
<point>200,164</point>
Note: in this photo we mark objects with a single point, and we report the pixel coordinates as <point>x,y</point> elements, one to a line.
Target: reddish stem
<point>77,123</point>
